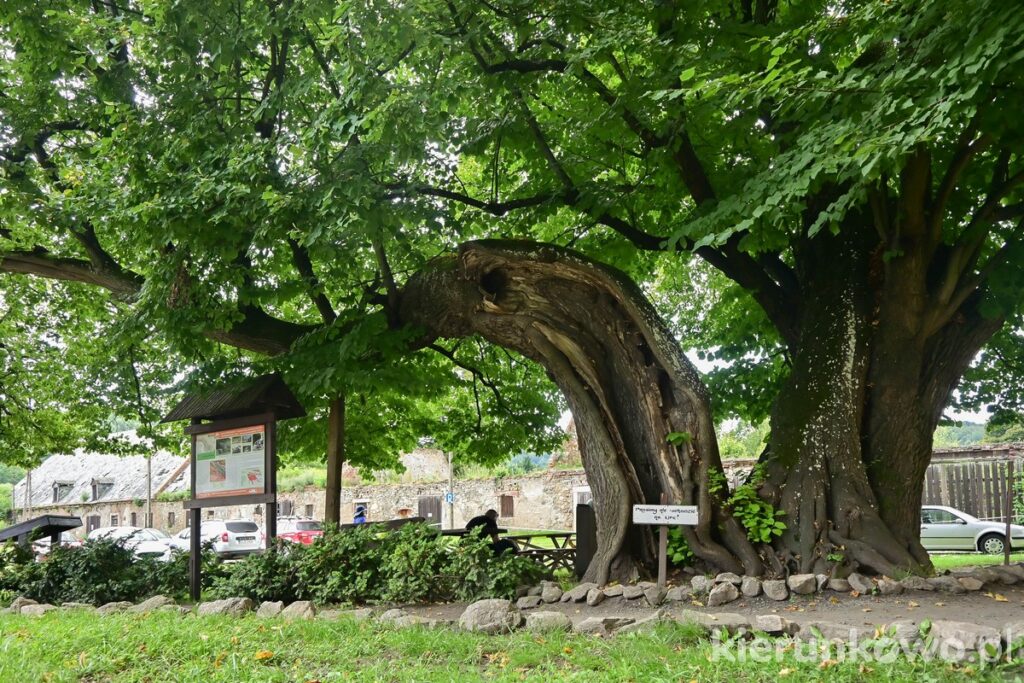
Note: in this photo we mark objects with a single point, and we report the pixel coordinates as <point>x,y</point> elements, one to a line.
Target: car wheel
<point>993,544</point>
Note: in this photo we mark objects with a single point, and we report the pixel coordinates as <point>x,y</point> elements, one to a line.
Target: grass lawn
<point>167,647</point>
<point>948,561</point>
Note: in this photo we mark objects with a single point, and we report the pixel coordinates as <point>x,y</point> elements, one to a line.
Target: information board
<point>668,515</point>
<point>231,462</point>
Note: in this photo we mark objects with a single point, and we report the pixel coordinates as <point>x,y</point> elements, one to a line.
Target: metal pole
<point>663,549</point>
<point>1009,511</point>
<point>451,492</point>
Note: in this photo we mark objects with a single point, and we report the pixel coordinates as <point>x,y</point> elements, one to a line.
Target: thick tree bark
<point>626,380</point>
<point>815,471</point>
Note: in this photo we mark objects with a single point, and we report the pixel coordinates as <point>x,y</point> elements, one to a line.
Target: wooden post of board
<point>663,549</point>
<point>195,537</point>
<point>1009,511</point>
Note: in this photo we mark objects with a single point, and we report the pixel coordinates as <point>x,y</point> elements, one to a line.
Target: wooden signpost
<point>664,516</point>
<point>234,454</point>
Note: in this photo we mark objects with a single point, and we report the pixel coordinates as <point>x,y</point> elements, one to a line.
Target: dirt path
<point>980,607</point>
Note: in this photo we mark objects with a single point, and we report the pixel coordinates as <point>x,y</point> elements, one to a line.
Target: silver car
<point>231,538</point>
<point>946,528</point>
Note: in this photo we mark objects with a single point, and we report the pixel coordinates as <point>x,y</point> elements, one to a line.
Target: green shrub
<point>270,575</point>
<point>476,573</point>
<point>346,565</point>
<point>368,564</point>
<point>679,552</point>
<point>96,572</point>
<point>414,564</point>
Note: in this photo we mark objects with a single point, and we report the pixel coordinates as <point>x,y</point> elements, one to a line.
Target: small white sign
<point>668,515</point>
<point>449,497</point>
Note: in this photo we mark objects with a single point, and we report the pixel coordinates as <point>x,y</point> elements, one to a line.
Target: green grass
<point>167,647</point>
<point>949,561</point>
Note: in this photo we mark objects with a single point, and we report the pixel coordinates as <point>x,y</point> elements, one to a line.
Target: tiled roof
<point>127,476</point>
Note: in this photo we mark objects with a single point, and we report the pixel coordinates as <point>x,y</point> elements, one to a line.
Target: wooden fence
<point>977,485</point>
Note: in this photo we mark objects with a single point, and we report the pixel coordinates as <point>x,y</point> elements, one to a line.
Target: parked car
<point>142,542</point>
<point>231,538</point>
<point>946,528</point>
<point>299,529</point>
<point>41,547</point>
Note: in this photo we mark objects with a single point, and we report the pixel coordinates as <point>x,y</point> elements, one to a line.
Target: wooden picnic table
<point>551,549</point>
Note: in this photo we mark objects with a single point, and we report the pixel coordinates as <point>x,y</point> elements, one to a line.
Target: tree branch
<point>477,374</point>
<point>304,264</point>
<point>966,152</point>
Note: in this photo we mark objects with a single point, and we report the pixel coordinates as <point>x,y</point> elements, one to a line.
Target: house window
<point>135,519</point>
<point>170,520</point>
<point>506,507</point>
<point>209,514</point>
<point>61,489</point>
<point>285,508</point>
<point>113,520</point>
<point>188,520</point>
<point>309,510</point>
<point>101,487</point>
<point>365,504</point>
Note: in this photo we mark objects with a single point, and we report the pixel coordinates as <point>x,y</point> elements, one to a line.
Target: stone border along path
<point>617,609</point>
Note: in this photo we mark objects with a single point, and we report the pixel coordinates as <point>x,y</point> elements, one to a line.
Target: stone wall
<point>541,500</point>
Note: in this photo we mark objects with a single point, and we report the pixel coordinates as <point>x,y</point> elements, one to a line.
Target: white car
<point>230,538</point>
<point>149,543</point>
<point>946,528</point>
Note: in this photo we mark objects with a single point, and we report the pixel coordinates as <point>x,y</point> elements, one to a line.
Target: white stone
<point>722,593</point>
<point>36,610</point>
<point>802,584</point>
<point>529,602</point>
<point>860,583</point>
<point>300,609</point>
<point>152,604</point>
<point>751,586</point>
<point>113,607</point>
<point>551,594</point>
<point>839,585</point>
<point>270,609</point>
<point>547,622</point>
<point>595,596</point>
<point>602,625</point>
<point>491,616</point>
<point>775,589</point>
<point>234,607</point>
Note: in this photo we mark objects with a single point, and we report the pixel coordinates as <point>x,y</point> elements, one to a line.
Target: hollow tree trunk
<point>626,380</point>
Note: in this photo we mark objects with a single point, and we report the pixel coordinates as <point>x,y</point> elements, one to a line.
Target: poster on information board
<point>231,462</point>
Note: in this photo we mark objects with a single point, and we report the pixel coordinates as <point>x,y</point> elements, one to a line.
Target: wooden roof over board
<point>263,394</point>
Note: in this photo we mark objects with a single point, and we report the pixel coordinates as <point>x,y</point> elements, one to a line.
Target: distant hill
<point>960,434</point>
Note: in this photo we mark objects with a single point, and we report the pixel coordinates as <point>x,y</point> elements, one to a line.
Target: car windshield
<point>311,525</point>
<point>242,527</point>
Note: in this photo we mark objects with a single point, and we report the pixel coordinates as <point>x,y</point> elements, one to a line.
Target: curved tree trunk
<point>626,380</point>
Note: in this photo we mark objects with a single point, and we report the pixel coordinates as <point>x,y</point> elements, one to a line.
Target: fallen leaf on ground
<point>785,672</point>
<point>912,605</point>
<point>264,655</point>
<point>866,609</point>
